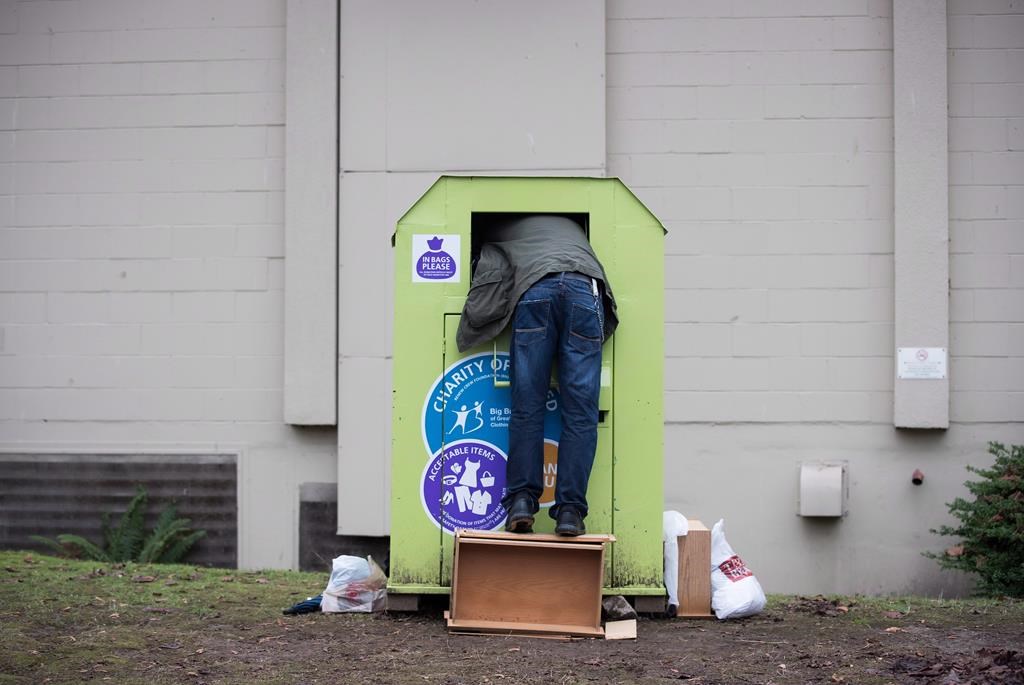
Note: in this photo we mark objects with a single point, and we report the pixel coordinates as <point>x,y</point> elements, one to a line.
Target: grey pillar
<point>921,189</point>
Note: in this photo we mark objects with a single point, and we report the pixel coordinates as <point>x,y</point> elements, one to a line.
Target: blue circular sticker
<point>463,486</point>
<point>465,403</point>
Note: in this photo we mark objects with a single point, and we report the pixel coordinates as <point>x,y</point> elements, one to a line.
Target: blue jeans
<point>559,317</point>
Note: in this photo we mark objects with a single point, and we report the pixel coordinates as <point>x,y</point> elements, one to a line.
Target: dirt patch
<point>61,622</point>
<point>820,606</point>
<point>984,667</point>
<point>781,646</point>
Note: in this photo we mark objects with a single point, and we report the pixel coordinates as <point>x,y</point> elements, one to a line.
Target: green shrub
<point>167,543</point>
<point>991,529</point>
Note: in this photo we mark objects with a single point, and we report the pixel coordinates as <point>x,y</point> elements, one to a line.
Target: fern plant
<point>991,529</point>
<point>168,542</point>
<point>124,541</point>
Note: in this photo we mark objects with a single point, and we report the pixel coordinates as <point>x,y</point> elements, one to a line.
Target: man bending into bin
<point>540,272</point>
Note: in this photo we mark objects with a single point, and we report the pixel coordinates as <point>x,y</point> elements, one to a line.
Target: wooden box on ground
<point>536,583</point>
<point>695,572</point>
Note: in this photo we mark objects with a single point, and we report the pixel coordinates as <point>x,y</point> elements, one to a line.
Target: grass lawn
<point>64,621</point>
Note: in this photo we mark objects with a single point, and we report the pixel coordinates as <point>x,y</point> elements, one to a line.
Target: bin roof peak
<point>439,190</point>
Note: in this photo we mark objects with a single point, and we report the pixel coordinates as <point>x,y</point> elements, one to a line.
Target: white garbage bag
<point>673,525</point>
<point>357,585</point>
<point>735,592</point>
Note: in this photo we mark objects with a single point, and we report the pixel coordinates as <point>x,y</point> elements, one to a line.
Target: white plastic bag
<point>735,592</point>
<point>673,525</point>
<point>357,585</point>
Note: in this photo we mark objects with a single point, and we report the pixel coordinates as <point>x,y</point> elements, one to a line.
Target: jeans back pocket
<point>585,323</point>
<point>531,320</point>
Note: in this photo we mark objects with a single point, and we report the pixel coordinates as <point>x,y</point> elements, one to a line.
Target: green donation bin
<point>451,409</point>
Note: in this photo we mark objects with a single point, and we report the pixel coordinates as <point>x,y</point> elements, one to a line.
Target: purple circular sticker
<point>463,485</point>
<point>435,263</point>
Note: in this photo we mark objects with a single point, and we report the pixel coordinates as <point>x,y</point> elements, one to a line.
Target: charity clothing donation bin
<point>451,409</point>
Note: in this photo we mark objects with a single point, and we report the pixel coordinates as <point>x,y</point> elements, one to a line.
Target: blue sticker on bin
<point>465,433</point>
<point>463,486</point>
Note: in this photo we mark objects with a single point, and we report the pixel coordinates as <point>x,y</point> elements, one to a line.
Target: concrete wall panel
<point>921,193</point>
<point>986,104</point>
<point>141,244</point>
<point>515,86</point>
<point>311,218</point>
<point>371,204</point>
<point>748,475</point>
<point>764,142</point>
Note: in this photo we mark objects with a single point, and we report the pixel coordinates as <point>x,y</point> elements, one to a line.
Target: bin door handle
<point>494,365</point>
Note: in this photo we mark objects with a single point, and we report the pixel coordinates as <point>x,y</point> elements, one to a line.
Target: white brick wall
<point>761,135</point>
<point>141,238</point>
<point>144,158</point>
<point>986,76</point>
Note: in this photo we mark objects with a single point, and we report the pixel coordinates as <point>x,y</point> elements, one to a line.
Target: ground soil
<point>121,625</point>
<point>785,645</point>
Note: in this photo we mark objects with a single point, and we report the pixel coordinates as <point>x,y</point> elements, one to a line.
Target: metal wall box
<point>542,584</point>
<point>823,489</point>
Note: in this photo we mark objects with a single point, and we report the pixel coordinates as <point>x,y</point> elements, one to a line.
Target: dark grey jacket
<point>517,255</point>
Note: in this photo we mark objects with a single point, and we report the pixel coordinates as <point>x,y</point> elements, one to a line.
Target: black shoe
<point>570,522</point>
<point>520,515</point>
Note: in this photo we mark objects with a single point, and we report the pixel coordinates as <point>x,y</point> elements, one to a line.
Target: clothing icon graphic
<point>470,489</point>
<point>469,476</point>
<point>463,498</point>
<point>481,499</point>
<point>462,416</point>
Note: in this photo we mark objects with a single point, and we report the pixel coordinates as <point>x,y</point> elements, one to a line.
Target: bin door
<point>475,439</point>
<point>477,408</point>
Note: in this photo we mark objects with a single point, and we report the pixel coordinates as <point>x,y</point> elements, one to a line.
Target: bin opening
<point>482,225</point>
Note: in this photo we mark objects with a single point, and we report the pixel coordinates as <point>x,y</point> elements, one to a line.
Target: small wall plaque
<point>921,363</point>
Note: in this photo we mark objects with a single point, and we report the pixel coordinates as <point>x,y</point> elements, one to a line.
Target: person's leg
<point>579,383</point>
<point>532,353</point>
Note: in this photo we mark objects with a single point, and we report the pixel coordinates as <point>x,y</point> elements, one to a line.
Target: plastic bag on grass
<point>357,585</point>
<point>673,525</point>
<point>735,592</point>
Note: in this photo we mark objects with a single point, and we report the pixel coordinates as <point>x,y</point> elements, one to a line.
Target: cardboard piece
<point>695,572</point>
<point>527,584</point>
<point>620,630</point>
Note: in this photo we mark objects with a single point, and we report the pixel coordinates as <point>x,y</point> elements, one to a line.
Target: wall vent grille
<point>49,494</point>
